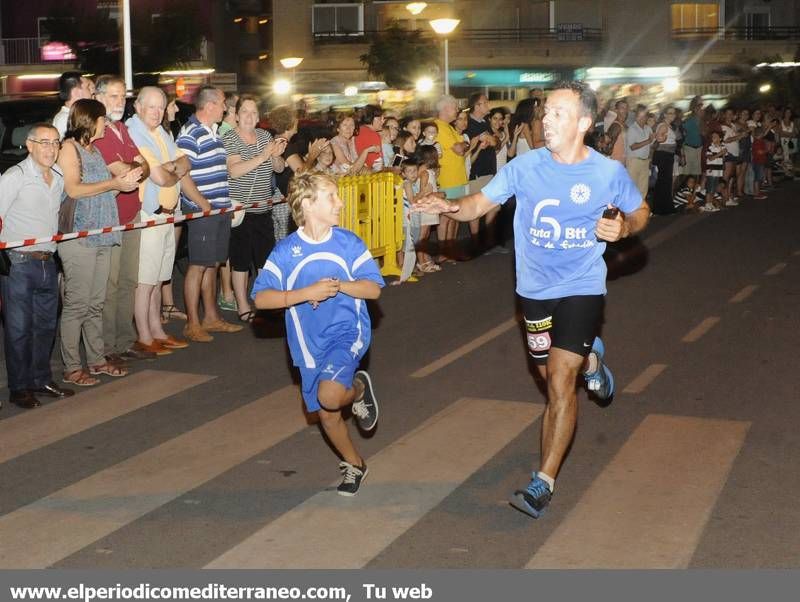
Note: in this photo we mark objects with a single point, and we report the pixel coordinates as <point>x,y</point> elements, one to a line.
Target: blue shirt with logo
<point>298,261</point>
<point>558,205</point>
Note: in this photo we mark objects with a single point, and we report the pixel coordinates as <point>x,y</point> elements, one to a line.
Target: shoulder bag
<point>66,212</point>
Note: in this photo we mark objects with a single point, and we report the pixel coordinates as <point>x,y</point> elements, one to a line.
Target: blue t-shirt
<point>296,262</point>
<point>558,205</point>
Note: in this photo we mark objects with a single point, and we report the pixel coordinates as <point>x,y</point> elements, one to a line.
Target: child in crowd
<point>428,172</point>
<point>409,171</point>
<point>406,145</point>
<point>690,197</point>
<point>715,153</point>
<point>759,157</point>
<point>322,274</point>
<point>325,161</point>
<point>429,133</point>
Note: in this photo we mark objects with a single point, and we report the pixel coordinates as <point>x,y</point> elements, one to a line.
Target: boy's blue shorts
<point>339,365</point>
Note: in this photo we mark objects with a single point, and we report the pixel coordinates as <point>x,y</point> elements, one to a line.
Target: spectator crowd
<point>96,166</point>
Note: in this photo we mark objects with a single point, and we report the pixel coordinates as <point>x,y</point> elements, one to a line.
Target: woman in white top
<point>496,125</point>
<point>521,128</point>
<point>788,134</point>
<point>664,160</point>
<point>346,160</point>
<point>731,134</point>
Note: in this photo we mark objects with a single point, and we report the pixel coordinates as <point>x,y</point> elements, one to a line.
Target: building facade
<point>510,46</point>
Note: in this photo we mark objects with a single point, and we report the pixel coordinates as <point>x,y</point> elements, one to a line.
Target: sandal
<point>80,378</point>
<point>109,369</point>
<point>247,316</point>
<point>429,267</point>
<point>170,312</point>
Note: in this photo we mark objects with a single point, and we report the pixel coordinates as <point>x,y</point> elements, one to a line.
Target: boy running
<point>322,274</point>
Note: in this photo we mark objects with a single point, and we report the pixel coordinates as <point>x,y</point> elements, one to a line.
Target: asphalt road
<point>205,458</point>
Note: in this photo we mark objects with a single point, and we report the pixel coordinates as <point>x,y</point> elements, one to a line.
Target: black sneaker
<point>366,409</point>
<point>353,475</point>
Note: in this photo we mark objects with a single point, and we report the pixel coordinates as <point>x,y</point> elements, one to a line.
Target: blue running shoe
<point>601,381</point>
<point>533,499</point>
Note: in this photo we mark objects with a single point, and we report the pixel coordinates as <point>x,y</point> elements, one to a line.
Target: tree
<point>784,84</point>
<point>170,40</point>
<point>398,56</point>
<point>92,35</point>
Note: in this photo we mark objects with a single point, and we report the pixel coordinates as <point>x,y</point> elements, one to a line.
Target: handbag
<point>66,212</point>
<point>5,263</point>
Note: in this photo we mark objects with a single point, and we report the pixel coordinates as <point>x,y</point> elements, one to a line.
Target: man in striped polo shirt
<point>205,187</point>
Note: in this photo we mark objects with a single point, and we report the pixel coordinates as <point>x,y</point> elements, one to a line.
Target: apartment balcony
<point>722,45</point>
<point>479,48</point>
<point>30,51</point>
<point>484,36</point>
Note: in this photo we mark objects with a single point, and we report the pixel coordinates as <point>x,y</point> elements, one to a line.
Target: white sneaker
<point>732,203</point>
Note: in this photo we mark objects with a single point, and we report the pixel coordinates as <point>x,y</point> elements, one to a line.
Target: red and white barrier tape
<point>167,219</point>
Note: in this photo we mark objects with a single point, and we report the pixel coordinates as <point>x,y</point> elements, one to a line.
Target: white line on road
<point>641,382</point>
<point>406,480</point>
<point>457,354</point>
<point>776,269</point>
<point>743,294</point>
<point>647,509</point>
<point>698,331</point>
<point>26,432</point>
<point>53,527</point>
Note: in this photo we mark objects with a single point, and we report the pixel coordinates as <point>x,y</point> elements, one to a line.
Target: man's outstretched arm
<point>465,209</point>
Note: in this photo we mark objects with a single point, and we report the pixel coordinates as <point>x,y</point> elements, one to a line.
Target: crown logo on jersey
<point>297,251</point>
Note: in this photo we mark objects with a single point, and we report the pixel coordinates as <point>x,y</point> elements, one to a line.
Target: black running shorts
<point>569,323</point>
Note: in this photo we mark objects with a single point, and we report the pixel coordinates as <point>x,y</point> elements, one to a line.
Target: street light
<point>443,27</point>
<point>671,84</point>
<point>282,87</point>
<point>764,88</point>
<point>291,62</point>
<point>424,85</point>
<point>416,8</point>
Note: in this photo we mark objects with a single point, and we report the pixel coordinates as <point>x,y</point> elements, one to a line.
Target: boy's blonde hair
<point>305,186</point>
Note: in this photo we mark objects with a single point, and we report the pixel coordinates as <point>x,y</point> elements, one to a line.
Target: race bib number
<point>538,341</point>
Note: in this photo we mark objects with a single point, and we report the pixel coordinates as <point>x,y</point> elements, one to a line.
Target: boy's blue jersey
<point>297,262</point>
<point>558,205</point>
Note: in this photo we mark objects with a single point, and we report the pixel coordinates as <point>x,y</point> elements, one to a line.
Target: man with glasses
<point>30,195</point>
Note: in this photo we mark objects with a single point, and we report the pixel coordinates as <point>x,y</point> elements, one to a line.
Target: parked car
<point>17,115</point>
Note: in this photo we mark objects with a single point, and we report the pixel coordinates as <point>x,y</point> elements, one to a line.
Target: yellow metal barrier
<point>373,209</point>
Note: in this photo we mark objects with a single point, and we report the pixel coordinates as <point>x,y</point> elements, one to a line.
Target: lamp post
<point>444,27</point>
<point>291,62</point>
<point>125,34</point>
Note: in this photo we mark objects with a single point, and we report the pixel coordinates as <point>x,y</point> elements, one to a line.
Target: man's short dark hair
<point>369,114</point>
<point>585,94</point>
<point>39,126</point>
<point>619,102</point>
<point>68,81</point>
<point>473,100</point>
<point>206,94</point>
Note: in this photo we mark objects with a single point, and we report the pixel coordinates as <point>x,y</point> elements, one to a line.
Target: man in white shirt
<point>30,195</point>
<point>640,138</point>
<point>72,86</point>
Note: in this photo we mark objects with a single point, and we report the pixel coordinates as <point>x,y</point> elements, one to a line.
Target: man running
<point>562,192</point>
